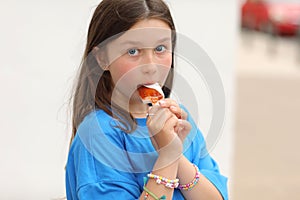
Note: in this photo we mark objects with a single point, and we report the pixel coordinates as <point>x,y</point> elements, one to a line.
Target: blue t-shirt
<point>104,162</point>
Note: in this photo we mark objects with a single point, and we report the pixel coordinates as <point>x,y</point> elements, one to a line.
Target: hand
<point>183,127</point>
<point>161,123</point>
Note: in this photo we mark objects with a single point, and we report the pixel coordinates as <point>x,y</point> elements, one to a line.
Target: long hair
<point>94,86</point>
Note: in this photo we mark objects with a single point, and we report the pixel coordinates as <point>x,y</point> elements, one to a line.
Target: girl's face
<point>142,55</point>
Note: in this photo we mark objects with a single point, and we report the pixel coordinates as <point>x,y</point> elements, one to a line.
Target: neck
<point>138,108</point>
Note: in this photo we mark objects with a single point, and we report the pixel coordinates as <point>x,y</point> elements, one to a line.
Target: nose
<point>149,66</point>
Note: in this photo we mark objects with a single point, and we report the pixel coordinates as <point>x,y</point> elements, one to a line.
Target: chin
<point>135,97</point>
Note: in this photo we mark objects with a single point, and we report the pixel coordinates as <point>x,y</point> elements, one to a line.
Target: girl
<point>120,147</point>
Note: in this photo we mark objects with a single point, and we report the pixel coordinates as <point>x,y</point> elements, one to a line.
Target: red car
<point>273,16</point>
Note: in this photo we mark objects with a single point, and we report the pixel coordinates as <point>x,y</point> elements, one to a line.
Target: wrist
<point>173,148</point>
<point>167,159</point>
<point>168,141</point>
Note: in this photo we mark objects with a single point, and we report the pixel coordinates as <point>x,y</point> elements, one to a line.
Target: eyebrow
<point>167,39</point>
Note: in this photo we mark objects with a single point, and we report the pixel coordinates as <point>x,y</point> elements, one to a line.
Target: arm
<point>204,189</point>
<point>159,190</point>
<point>169,147</point>
<point>211,184</point>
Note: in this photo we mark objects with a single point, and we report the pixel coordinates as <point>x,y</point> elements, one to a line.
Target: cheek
<point>123,78</point>
<point>166,60</point>
<point>166,65</point>
<point>120,69</point>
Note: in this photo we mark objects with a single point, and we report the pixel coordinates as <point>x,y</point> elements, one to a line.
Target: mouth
<point>150,93</point>
<point>147,84</point>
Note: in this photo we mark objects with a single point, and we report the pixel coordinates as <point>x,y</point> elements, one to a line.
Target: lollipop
<point>151,93</point>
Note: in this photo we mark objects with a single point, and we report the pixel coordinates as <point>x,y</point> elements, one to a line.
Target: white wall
<point>41,46</point>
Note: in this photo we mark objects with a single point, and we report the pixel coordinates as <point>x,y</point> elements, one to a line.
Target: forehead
<point>145,33</point>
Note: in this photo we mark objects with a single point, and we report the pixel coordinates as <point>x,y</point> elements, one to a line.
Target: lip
<point>147,83</point>
<point>150,83</point>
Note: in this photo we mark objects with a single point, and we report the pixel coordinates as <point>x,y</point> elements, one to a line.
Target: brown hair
<point>94,85</point>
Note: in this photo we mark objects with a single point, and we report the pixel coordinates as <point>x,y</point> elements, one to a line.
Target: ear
<point>99,55</point>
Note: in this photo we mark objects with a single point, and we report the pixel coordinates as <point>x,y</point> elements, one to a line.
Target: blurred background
<point>255,46</point>
<point>267,111</point>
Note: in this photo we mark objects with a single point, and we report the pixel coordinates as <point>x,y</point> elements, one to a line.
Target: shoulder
<point>98,124</point>
<point>97,146</point>
<point>97,118</point>
<point>98,138</point>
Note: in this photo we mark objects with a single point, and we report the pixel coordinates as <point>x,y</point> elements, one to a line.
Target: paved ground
<point>267,128</point>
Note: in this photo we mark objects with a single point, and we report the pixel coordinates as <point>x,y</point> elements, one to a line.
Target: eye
<point>160,49</point>
<point>133,52</point>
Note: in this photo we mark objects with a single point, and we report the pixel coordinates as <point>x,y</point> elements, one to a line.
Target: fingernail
<point>173,108</point>
<point>162,102</point>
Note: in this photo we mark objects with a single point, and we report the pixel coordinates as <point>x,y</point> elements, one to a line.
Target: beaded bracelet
<point>147,192</point>
<point>153,195</point>
<point>146,195</point>
<point>166,182</point>
<point>190,185</point>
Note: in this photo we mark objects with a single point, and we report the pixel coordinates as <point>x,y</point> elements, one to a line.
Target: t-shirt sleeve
<point>209,168</point>
<point>92,161</point>
<point>108,190</point>
<point>98,181</point>
<point>198,154</point>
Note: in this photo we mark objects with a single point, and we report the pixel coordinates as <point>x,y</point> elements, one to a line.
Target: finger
<point>157,121</point>
<point>156,110</point>
<point>179,112</point>
<point>183,128</point>
<point>167,138</point>
<point>175,108</point>
<point>166,135</point>
<point>152,111</point>
<point>166,103</point>
<point>183,125</point>
<point>179,126</point>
